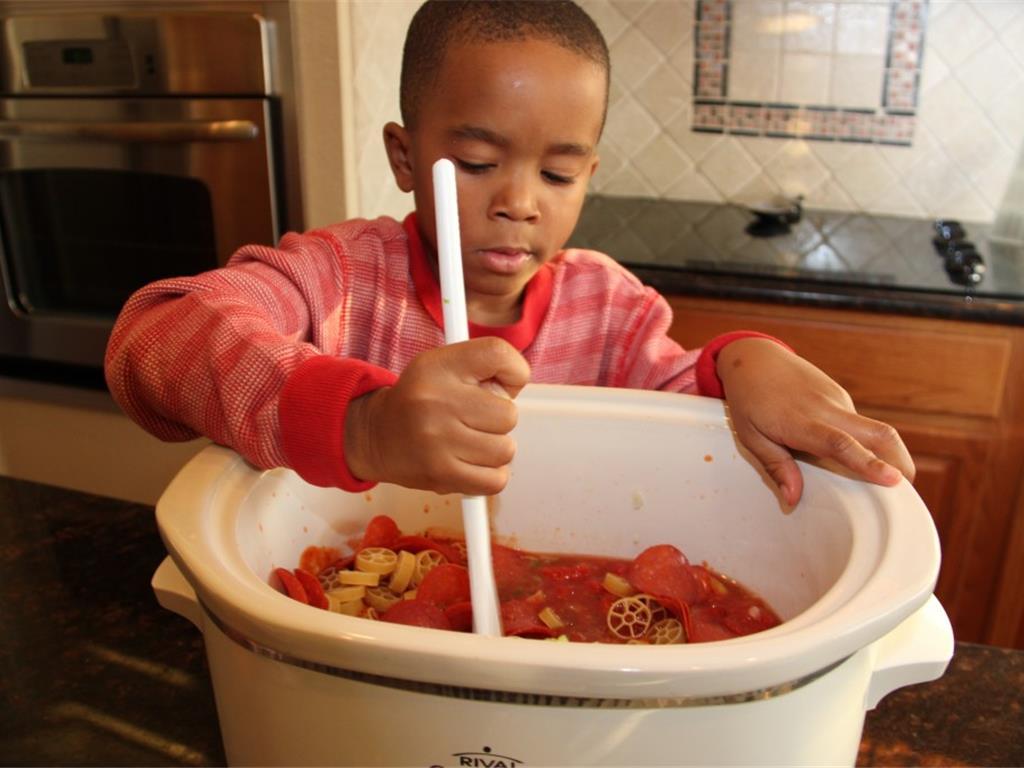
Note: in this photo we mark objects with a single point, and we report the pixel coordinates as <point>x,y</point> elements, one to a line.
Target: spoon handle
<point>475,522</point>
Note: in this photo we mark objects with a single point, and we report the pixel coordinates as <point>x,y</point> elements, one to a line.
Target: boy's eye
<point>557,178</point>
<point>469,167</point>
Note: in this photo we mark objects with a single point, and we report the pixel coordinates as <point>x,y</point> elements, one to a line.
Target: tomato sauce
<point>658,597</point>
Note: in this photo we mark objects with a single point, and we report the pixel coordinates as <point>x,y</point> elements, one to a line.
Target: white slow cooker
<point>851,571</point>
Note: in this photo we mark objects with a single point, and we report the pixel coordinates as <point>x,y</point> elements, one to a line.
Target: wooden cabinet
<point>955,392</point>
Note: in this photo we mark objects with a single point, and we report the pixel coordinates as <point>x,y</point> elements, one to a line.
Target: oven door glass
<point>100,196</point>
<point>85,240</point>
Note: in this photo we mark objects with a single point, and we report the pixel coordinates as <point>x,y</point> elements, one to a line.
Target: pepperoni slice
<point>341,564</point>
<point>461,616</point>
<point>520,618</point>
<point>311,586</point>
<point>663,571</point>
<point>417,613</point>
<point>292,586</point>
<point>705,626</point>
<point>412,543</point>
<point>381,531</point>
<point>444,585</point>
<point>315,559</point>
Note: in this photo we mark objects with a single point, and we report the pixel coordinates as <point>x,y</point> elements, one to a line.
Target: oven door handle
<point>143,132</point>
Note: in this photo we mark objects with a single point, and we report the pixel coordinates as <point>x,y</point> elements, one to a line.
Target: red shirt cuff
<point>708,382</point>
<point>312,411</point>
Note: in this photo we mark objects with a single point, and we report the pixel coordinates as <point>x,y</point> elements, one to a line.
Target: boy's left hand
<point>779,402</point>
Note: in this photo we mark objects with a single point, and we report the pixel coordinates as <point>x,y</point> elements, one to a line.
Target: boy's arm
<point>651,359</point>
<point>228,354</point>
<point>779,403</point>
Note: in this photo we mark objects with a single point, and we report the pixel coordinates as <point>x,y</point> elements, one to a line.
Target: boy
<point>326,354</point>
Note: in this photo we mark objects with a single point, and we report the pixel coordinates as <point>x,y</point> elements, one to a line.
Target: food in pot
<point>657,598</point>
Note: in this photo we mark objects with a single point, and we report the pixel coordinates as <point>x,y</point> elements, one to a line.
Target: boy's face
<point>521,122</point>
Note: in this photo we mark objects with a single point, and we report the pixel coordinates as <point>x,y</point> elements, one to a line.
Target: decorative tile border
<point>891,123</point>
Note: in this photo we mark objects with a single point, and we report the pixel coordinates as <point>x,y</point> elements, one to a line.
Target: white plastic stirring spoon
<point>483,592</point>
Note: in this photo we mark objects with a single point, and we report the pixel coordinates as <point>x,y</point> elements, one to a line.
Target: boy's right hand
<point>441,427</point>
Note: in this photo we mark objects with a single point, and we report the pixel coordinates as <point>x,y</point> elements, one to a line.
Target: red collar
<point>519,334</point>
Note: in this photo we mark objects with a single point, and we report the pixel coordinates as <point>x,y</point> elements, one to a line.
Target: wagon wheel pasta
<point>666,632</point>
<point>629,618</point>
<point>403,574</point>
<point>376,560</point>
<point>358,578</point>
<point>347,594</point>
<point>425,561</point>
<point>381,598</point>
<point>348,607</point>
<point>658,611</point>
<point>328,577</point>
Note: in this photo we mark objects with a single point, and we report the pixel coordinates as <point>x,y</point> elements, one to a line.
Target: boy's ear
<point>399,148</point>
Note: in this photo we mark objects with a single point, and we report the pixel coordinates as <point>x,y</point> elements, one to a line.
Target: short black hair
<point>440,23</point>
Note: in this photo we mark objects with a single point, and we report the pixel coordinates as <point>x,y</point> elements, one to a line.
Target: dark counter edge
<point>679,281</point>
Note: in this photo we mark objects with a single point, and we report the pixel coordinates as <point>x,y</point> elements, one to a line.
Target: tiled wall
<point>823,71</point>
<point>902,107</point>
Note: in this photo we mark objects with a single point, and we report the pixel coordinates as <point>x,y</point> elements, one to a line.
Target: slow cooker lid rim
<point>488,694</point>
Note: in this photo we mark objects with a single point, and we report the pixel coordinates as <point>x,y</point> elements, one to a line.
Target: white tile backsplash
<point>862,28</point>
<point>795,169</point>
<point>967,124</point>
<point>728,167</point>
<point>810,26</point>
<point>750,22</point>
<point>857,80</point>
<point>958,32</point>
<point>754,75</point>
<point>805,78</point>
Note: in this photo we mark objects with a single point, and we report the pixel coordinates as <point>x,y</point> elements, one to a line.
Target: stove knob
<point>964,265</point>
<point>948,229</point>
<point>949,248</point>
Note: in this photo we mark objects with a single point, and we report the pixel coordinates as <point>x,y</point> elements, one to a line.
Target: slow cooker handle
<point>916,651</point>
<point>174,592</point>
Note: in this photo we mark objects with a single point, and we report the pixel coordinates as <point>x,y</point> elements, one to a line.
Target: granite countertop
<point>825,258</point>
<point>97,673</point>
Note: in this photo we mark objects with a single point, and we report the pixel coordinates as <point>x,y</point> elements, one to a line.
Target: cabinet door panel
<point>935,482</point>
<point>870,360</point>
<point>953,483</point>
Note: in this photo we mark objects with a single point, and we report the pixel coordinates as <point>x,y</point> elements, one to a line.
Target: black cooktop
<point>814,247</point>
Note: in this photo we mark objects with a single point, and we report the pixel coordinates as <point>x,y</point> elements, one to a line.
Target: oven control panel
<point>145,53</point>
<point>79,63</point>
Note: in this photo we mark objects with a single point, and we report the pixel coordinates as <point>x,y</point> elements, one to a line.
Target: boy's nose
<point>515,200</point>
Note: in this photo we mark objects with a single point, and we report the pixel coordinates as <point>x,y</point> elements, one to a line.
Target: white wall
<point>378,34</point>
<point>324,114</point>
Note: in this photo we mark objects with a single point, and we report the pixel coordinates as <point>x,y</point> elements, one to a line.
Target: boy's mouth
<point>506,261</point>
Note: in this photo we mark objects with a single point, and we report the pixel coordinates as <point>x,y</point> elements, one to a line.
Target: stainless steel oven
<point>133,146</point>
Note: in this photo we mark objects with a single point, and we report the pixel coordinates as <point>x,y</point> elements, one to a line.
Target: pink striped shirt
<point>265,354</point>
